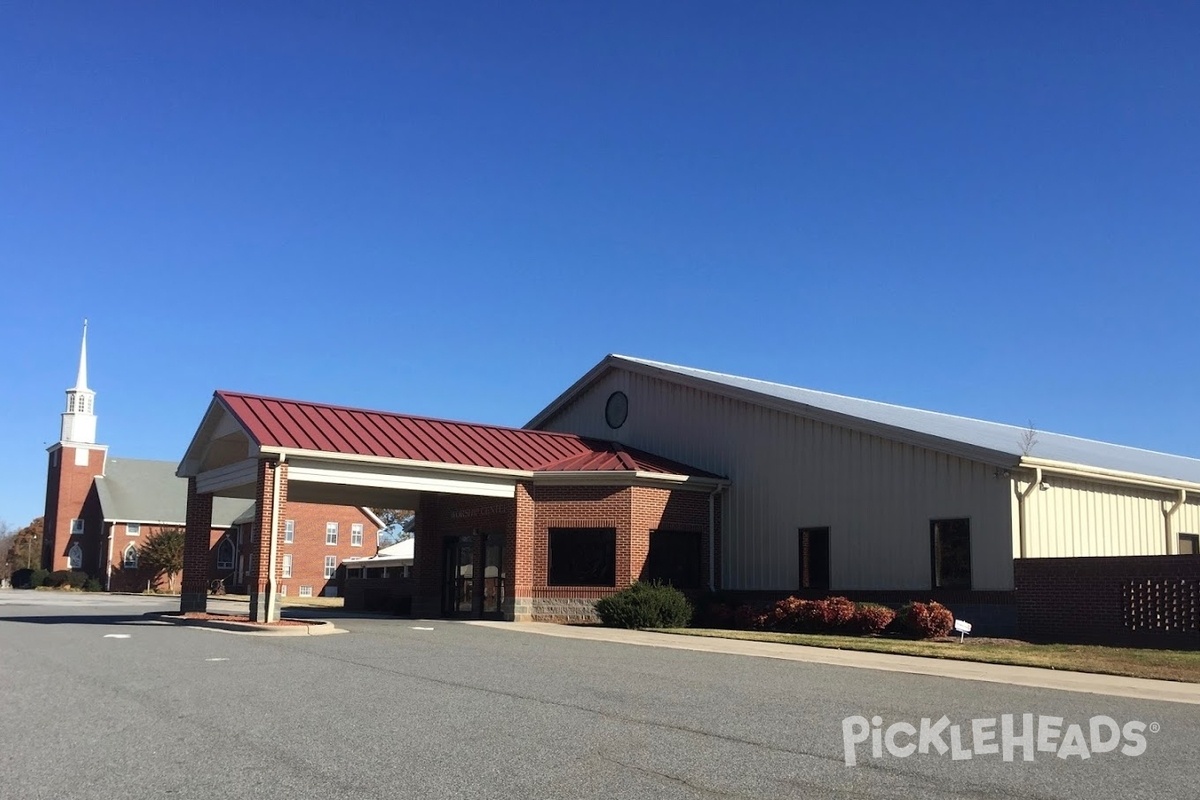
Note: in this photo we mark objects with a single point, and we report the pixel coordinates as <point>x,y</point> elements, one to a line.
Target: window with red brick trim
<point>582,557</point>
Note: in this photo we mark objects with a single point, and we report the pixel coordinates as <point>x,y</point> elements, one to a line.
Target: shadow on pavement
<point>150,618</point>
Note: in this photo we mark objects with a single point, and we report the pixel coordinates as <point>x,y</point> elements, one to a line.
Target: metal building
<point>839,493</point>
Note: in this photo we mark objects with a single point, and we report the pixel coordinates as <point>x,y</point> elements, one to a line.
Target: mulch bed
<point>243,618</point>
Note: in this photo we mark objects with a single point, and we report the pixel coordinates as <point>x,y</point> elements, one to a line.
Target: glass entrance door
<point>458,592</point>
<point>493,574</point>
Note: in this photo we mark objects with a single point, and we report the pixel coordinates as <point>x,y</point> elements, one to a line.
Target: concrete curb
<point>1033,677</point>
<point>312,627</point>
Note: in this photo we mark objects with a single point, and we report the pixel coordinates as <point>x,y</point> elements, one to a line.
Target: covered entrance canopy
<point>273,450</point>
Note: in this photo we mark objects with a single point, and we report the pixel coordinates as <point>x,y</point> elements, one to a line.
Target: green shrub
<point>646,605</point>
<point>56,578</point>
<point>93,585</point>
<point>926,620</point>
<point>38,577</point>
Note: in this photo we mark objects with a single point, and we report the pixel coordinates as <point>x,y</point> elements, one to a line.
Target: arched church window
<point>75,557</point>
<point>225,554</point>
<point>131,557</point>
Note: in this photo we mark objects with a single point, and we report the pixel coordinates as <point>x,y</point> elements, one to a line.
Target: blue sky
<point>456,209</point>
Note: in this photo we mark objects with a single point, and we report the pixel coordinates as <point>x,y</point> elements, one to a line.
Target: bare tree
<point>1028,440</point>
<point>7,540</point>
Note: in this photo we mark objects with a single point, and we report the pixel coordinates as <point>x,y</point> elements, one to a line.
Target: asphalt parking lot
<point>100,701</point>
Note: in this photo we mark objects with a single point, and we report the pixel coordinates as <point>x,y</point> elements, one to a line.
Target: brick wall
<point>1123,600</point>
<point>632,511</point>
<point>308,550</point>
<point>526,521</point>
<point>68,490</point>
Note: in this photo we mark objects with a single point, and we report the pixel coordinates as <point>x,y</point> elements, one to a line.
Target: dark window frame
<point>940,562</point>
<point>810,583</point>
<point>565,568</point>
<point>1194,538</point>
<point>663,561</point>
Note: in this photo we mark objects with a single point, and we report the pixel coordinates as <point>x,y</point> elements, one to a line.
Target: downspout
<point>108,564</point>
<point>272,597</point>
<point>712,539</point>
<point>1169,519</point>
<point>1022,521</point>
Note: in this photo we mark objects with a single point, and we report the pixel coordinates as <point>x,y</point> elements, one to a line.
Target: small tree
<point>397,525</point>
<point>163,552</point>
<point>24,550</point>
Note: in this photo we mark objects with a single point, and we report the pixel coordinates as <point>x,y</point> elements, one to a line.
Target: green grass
<point>1171,665</point>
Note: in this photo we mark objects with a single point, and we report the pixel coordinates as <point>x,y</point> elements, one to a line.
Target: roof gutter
<point>627,478</point>
<point>1108,475</point>
<point>408,463</point>
<point>598,477</point>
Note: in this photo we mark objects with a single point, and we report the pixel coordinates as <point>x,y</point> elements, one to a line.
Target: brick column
<point>519,557</point>
<point>263,579</point>
<point>427,559</point>
<point>193,595</point>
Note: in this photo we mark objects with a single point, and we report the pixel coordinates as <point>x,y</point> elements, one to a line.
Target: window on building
<point>356,535</point>
<point>287,565</point>
<point>305,591</point>
<point>582,557</point>
<point>75,557</point>
<point>814,558</point>
<point>283,589</point>
<point>133,529</point>
<point>674,558</point>
<point>252,528</point>
<point>289,531</point>
<point>225,554</point>
<point>950,551</point>
<point>76,527</point>
<point>331,591</point>
<point>130,558</point>
<point>1189,544</point>
<point>330,566</point>
<point>331,532</point>
<point>355,572</point>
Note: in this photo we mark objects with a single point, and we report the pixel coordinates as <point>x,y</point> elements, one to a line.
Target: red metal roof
<point>301,425</point>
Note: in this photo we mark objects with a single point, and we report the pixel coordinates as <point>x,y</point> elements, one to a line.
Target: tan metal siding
<point>1188,517</point>
<point>1085,518</point>
<point>877,496</point>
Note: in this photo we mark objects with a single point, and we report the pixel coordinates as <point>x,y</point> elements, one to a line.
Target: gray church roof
<point>138,490</point>
<point>991,436</point>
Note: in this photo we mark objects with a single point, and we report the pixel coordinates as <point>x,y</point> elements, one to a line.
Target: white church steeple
<point>79,420</point>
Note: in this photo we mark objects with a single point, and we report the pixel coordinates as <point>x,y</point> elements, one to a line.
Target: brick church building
<point>100,508</point>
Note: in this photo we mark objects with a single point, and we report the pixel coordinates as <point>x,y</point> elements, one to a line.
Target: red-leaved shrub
<point>927,620</point>
<point>872,618</point>
<point>787,614</point>
<point>833,613</point>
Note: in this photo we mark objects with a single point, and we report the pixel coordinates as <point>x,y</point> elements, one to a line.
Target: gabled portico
<point>483,480</point>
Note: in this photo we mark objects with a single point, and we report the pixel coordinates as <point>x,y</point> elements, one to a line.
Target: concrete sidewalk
<point>1141,688</point>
